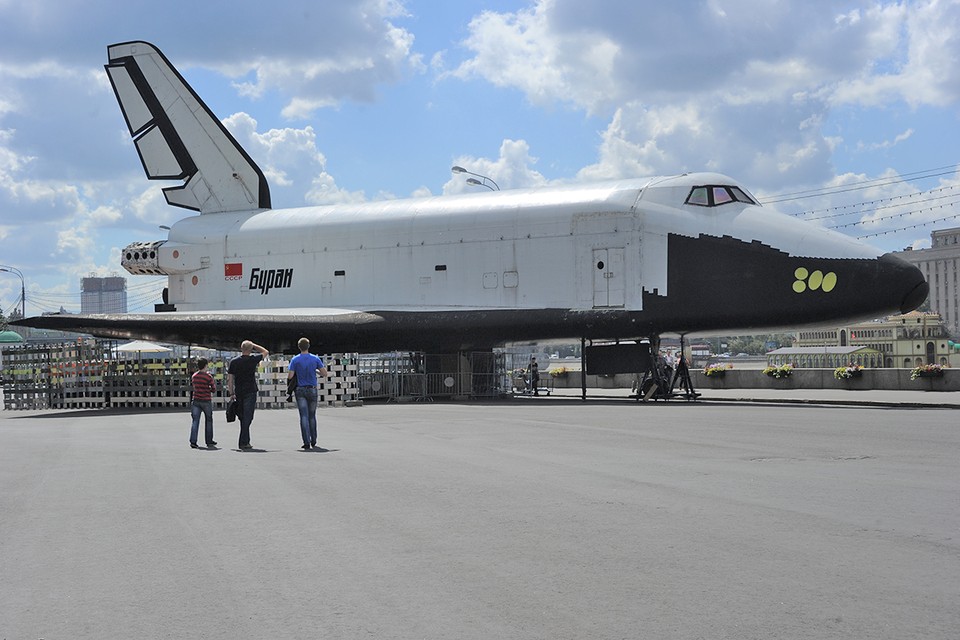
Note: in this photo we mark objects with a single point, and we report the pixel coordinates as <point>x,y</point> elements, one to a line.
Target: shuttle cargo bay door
<point>608,278</point>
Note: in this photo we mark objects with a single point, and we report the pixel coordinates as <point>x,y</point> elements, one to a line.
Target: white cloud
<point>324,190</point>
<point>623,152</point>
<point>914,55</point>
<point>682,81</point>
<point>512,169</point>
<point>521,50</point>
<point>886,144</point>
<point>146,206</point>
<point>293,164</point>
<point>360,52</point>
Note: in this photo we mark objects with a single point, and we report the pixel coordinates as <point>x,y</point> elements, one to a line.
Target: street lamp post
<point>476,183</point>
<point>472,181</point>
<point>23,288</point>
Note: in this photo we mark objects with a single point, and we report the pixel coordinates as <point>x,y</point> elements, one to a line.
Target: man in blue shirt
<point>305,367</point>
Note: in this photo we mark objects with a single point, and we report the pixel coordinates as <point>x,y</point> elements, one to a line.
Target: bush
<point>926,371</point>
<point>716,370</point>
<point>782,371</point>
<point>848,371</point>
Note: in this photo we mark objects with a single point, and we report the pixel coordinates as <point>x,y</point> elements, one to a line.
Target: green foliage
<point>782,371</point>
<point>716,370</point>
<point>757,345</point>
<point>926,371</point>
<point>847,371</point>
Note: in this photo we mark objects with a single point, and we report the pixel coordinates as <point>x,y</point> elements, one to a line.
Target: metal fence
<point>424,377</point>
<point>88,375</point>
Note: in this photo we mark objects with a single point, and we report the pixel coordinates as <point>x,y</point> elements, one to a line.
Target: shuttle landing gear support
<point>663,382</point>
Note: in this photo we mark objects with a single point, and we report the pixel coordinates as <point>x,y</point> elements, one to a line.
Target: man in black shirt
<point>242,386</point>
<point>534,376</point>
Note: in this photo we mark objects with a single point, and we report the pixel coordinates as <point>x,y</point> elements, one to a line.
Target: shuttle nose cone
<point>906,277</point>
<point>915,298</point>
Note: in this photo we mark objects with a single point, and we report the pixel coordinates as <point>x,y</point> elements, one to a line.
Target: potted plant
<point>848,372</point>
<point>716,370</point>
<point>779,371</point>
<point>926,371</point>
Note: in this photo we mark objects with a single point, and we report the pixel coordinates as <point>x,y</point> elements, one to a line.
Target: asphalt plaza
<point>543,518</point>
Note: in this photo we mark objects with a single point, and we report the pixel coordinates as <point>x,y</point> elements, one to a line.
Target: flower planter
<point>926,371</point>
<point>852,375</point>
<point>781,372</point>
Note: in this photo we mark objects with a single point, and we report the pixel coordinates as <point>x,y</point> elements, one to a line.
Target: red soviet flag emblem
<point>233,271</point>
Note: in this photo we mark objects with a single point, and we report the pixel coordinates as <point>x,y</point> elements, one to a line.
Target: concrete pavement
<point>838,396</point>
<point>547,518</point>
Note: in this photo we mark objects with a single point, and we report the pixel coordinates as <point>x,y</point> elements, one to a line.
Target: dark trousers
<point>246,405</point>
<point>197,408</point>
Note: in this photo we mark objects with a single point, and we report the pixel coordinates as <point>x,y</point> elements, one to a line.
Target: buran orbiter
<point>686,254</point>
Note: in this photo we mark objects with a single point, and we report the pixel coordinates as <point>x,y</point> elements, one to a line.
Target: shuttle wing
<point>278,329</point>
<point>179,138</point>
<point>343,330</point>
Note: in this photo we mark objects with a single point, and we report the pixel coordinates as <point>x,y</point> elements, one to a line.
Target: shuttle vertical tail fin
<point>179,138</point>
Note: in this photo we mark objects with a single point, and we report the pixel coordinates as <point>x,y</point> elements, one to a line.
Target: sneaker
<point>306,447</point>
<point>194,445</point>
<point>211,444</point>
<point>246,447</point>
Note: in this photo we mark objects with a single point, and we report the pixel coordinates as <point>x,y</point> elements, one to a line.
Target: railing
<point>87,377</point>
<point>408,377</point>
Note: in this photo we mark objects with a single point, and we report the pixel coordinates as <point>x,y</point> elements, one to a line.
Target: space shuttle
<point>688,254</point>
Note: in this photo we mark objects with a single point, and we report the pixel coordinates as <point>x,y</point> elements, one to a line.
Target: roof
<point>805,351</point>
<point>10,337</point>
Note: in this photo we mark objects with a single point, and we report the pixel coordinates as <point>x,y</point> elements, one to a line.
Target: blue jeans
<point>246,405</point>
<point>196,408</point>
<point>307,406</point>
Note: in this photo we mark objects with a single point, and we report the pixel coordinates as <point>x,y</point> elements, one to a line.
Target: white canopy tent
<point>142,346</point>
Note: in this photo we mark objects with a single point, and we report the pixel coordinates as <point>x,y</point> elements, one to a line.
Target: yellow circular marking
<point>829,282</point>
<point>815,279</point>
<point>799,286</point>
<point>801,273</point>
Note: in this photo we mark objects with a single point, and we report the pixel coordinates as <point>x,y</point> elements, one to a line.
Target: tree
<point>758,344</point>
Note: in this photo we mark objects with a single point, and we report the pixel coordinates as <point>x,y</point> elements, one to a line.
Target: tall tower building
<point>939,265</point>
<point>103,295</point>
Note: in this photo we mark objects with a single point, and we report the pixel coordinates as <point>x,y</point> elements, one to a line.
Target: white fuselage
<point>585,247</point>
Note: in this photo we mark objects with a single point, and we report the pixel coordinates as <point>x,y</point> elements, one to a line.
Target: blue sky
<point>378,98</point>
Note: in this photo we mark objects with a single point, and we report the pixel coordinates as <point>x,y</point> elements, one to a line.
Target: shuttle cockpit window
<point>716,195</point>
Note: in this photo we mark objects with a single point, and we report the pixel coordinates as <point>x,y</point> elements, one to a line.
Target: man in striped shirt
<point>204,386</point>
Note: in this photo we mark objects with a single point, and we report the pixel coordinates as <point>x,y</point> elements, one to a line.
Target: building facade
<point>903,341</point>
<point>826,357</point>
<point>103,295</point>
<point>939,265</point>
